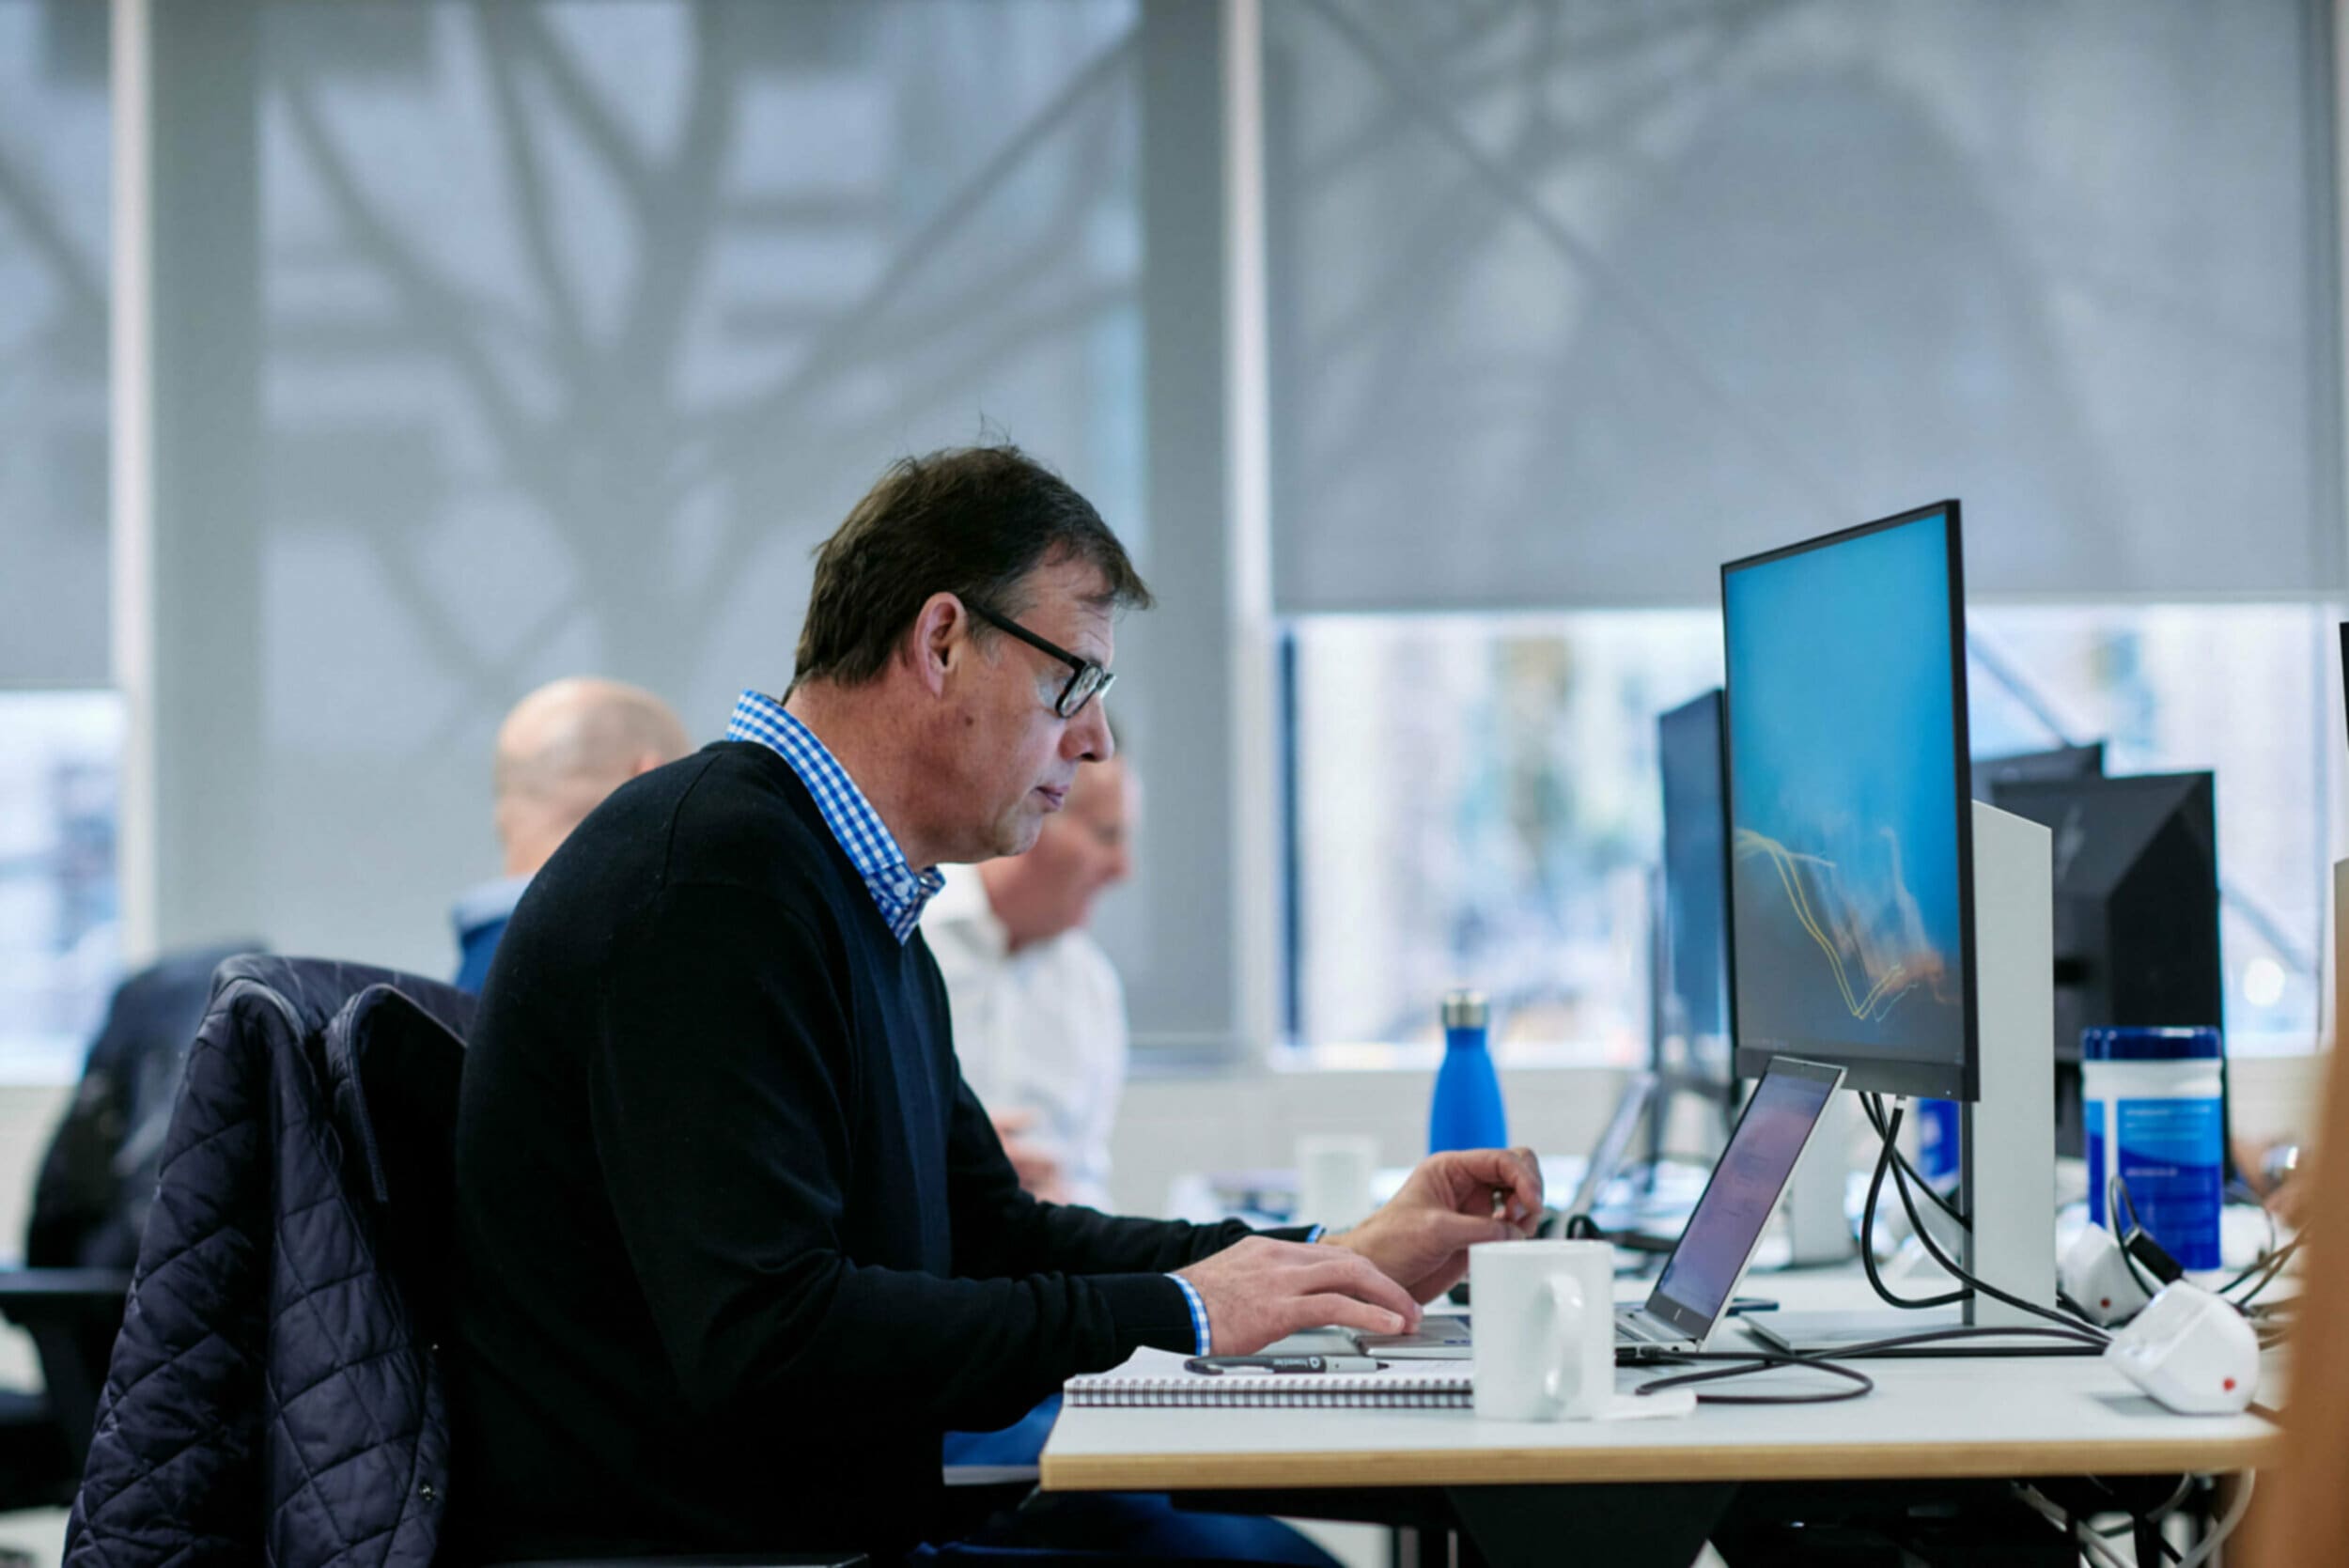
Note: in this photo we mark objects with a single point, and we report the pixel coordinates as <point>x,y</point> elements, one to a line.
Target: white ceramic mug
<point>1334,1174</point>
<point>1545,1329</point>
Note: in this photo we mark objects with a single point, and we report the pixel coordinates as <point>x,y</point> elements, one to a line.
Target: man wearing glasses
<point>737,1245</point>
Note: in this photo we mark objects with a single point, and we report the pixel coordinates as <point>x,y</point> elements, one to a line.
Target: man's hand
<point>1039,1172</point>
<point>1260,1290</point>
<point>1421,1239</point>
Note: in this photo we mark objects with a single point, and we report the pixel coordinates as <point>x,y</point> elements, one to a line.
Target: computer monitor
<point>1695,988</point>
<point>1689,1035</point>
<point>2060,762</point>
<point>2136,910</point>
<point>1851,934</point>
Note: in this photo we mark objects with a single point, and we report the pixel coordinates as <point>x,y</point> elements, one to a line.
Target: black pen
<point>1214,1366</point>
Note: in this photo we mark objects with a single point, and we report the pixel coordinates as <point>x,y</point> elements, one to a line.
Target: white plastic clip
<point>2191,1351</point>
<point>2094,1273</point>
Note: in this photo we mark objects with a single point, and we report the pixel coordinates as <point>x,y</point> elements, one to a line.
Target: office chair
<point>89,1201</point>
<point>280,1344</point>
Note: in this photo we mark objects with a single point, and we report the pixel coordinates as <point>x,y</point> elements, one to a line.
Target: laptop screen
<point>1607,1156</point>
<point>1743,1188</point>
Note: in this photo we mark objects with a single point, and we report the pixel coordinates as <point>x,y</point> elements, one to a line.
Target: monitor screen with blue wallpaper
<point>1851,935</point>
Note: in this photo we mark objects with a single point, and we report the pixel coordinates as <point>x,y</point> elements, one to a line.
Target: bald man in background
<point>559,752</point>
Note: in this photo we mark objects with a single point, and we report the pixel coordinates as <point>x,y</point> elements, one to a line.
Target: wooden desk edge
<point>1166,1472</point>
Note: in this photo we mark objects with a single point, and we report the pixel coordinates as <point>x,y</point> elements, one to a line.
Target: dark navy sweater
<point>738,1243</point>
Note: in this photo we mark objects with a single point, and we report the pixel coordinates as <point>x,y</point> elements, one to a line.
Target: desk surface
<point>1926,1419</point>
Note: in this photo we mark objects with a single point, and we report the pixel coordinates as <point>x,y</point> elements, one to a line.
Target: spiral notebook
<point>1153,1377</point>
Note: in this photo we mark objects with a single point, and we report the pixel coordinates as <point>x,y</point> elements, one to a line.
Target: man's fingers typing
<point>1358,1277</point>
<point>1261,1289</point>
<point>1314,1312</point>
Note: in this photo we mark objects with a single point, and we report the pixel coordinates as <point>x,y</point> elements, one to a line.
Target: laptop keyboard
<point>1632,1324</point>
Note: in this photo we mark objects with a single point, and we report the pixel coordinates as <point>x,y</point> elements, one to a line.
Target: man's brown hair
<point>971,521</point>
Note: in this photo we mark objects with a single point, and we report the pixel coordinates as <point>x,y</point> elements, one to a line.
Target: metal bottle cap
<point>1464,1009</point>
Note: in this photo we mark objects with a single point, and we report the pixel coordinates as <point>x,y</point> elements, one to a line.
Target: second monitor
<point>1880,918</point>
<point>2137,909</point>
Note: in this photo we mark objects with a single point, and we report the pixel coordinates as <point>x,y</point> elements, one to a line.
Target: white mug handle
<point>1561,1356</point>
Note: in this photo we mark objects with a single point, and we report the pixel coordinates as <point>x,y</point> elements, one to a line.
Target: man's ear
<point>941,638</point>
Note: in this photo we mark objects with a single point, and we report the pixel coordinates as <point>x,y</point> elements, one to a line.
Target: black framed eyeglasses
<point>1089,681</point>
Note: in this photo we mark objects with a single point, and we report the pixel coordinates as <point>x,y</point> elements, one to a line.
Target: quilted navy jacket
<point>271,1397</point>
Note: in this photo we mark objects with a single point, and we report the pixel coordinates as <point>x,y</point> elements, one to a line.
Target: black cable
<point>2087,1338</point>
<point>2116,1194</point>
<point>2268,1268</point>
<point>2255,1266</point>
<point>2128,1527</point>
<point>1868,1229</point>
<point>1933,1249</point>
<point>2274,1270</point>
<point>1873,1105</point>
<point>1744,1363</point>
<point>1765,1360</point>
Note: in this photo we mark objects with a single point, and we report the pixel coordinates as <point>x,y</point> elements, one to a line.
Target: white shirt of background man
<point>1042,1030</point>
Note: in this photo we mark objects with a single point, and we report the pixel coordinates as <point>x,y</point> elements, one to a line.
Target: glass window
<point>1474,801</point>
<point>2241,689</point>
<point>54,145</point>
<point>60,931</point>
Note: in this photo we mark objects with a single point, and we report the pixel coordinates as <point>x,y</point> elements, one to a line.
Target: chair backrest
<point>98,1175</point>
<point>97,1179</point>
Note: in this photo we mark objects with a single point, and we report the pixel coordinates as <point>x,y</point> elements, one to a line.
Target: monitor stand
<point>2007,1137</point>
<point>1818,1229</point>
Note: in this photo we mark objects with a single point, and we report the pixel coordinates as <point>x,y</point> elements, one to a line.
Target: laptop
<point>1692,1294</point>
<point>1607,1155</point>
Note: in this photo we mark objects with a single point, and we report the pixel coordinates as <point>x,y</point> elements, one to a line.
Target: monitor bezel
<point>1948,1081</point>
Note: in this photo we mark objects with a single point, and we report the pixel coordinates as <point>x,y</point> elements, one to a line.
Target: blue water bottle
<point>1466,1114</point>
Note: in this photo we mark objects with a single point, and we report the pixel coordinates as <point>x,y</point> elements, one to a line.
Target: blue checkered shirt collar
<point>898,889</point>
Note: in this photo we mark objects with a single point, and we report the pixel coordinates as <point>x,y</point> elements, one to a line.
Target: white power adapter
<point>2094,1273</point>
<point>2192,1351</point>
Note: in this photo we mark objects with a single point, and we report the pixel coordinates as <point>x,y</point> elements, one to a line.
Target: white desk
<point>1927,1419</point>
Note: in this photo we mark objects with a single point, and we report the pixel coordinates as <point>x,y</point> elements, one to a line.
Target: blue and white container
<point>1467,1112</point>
<point>2152,1101</point>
